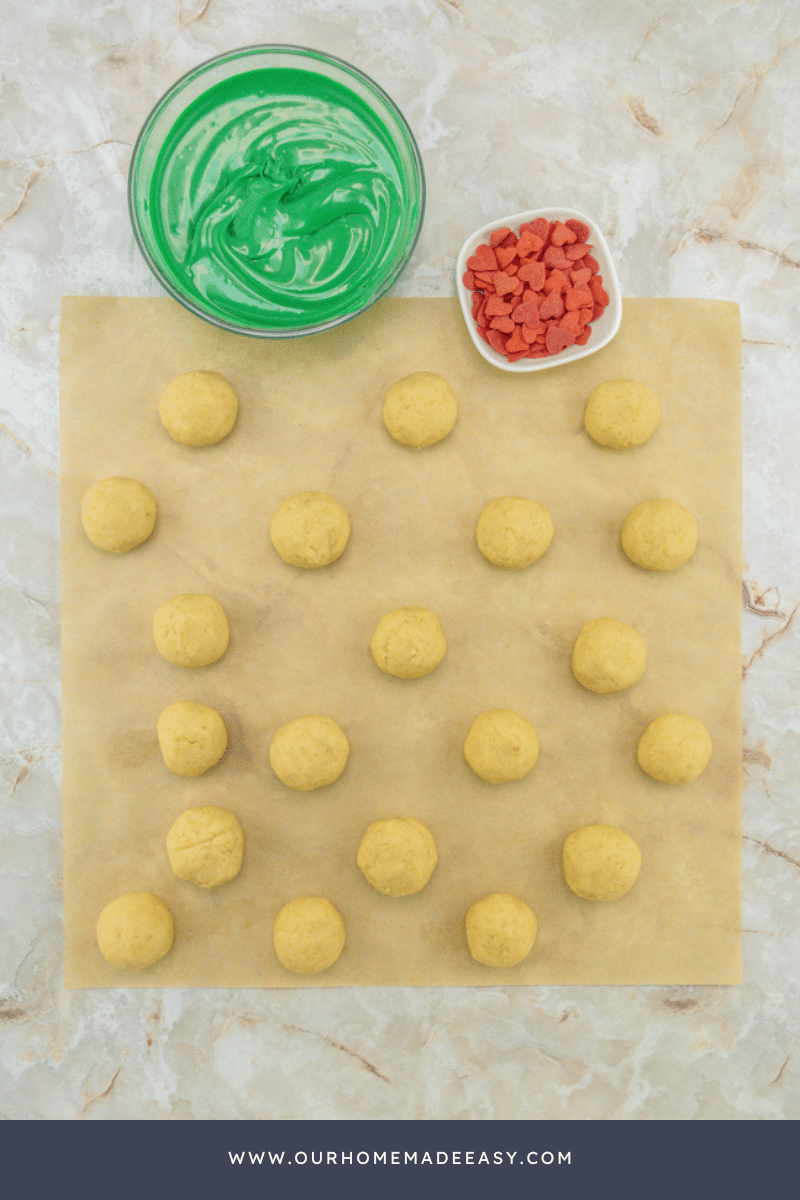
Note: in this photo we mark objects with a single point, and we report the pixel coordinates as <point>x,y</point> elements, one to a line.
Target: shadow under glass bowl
<point>276,191</point>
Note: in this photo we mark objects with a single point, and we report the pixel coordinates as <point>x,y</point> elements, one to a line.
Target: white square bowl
<point>603,329</point>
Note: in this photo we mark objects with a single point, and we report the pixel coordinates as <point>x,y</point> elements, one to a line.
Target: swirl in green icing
<point>278,200</point>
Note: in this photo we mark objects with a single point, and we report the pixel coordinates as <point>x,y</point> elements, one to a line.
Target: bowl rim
<point>245,52</point>
<point>572,353</point>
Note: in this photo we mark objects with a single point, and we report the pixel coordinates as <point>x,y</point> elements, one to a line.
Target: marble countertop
<point>668,122</point>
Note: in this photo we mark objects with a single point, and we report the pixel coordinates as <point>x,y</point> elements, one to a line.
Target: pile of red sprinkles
<point>536,292</point>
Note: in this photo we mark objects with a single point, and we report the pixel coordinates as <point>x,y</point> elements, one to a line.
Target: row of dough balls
<point>200,409</point>
<point>311,529</point>
<point>192,631</point>
<point>501,746</point>
<point>421,410</point>
<point>397,857</point>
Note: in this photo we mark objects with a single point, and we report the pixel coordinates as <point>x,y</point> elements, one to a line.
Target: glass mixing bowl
<point>276,191</point>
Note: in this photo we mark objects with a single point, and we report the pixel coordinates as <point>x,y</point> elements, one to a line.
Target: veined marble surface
<point>674,124</point>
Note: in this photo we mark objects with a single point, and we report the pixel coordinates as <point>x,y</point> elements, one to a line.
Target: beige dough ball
<point>501,745</point>
<point>674,748</point>
<point>118,514</point>
<point>420,409</point>
<point>191,630</point>
<point>601,862</point>
<point>513,533</point>
<point>310,530</point>
<point>501,930</point>
<point>309,935</point>
<point>205,846</point>
<point>397,856</point>
<point>659,535</point>
<point>408,643</point>
<point>622,413</point>
<point>198,409</point>
<point>608,656</point>
<point>192,737</point>
<point>309,753</point>
<point>134,931</point>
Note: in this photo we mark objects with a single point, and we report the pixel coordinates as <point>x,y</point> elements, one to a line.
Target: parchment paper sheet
<point>310,419</point>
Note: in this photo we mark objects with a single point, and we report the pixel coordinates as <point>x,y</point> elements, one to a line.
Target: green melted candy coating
<point>278,200</point>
